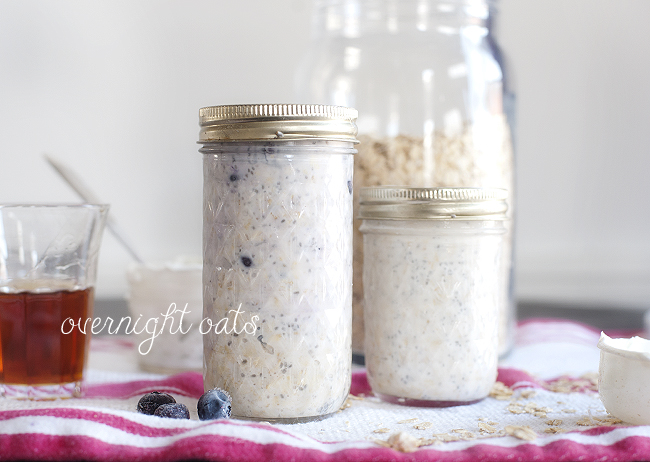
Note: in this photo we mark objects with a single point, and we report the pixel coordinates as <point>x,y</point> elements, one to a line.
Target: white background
<point>114,87</point>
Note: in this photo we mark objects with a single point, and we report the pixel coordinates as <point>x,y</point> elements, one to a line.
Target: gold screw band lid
<point>404,203</point>
<point>277,122</point>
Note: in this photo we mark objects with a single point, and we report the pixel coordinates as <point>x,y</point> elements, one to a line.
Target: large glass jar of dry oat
<point>427,79</point>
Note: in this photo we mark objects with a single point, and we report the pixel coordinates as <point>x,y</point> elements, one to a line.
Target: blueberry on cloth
<point>173,411</point>
<point>214,404</point>
<point>149,402</point>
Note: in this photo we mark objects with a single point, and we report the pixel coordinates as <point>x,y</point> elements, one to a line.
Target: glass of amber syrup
<point>48,267</point>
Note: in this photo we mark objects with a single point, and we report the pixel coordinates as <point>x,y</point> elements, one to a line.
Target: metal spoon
<point>88,196</point>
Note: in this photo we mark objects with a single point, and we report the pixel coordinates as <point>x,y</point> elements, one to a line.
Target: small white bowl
<point>624,378</point>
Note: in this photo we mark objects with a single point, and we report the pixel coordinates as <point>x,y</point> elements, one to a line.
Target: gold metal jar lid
<point>404,203</point>
<point>277,122</point>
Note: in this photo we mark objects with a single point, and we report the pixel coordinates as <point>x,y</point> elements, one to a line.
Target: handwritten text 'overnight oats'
<point>226,325</point>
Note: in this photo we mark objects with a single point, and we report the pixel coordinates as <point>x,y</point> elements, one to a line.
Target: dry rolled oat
<point>586,422</point>
<point>526,394</point>
<point>429,441</point>
<point>590,421</point>
<point>521,432</point>
<point>608,421</point>
<point>586,382</point>
<point>464,434</point>
<point>414,419</point>
<point>554,430</point>
<point>445,437</point>
<point>516,408</point>
<point>501,392</point>
<point>529,408</point>
<point>486,428</point>
<point>348,402</point>
<point>423,425</point>
<point>403,442</point>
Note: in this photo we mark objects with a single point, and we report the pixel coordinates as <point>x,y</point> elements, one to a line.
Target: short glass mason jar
<point>433,284</point>
<point>277,257</point>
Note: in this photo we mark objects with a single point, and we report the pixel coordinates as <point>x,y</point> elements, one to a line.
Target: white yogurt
<point>277,249</point>
<point>623,376</point>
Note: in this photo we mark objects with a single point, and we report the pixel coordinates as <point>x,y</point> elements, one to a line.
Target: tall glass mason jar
<point>434,108</point>
<point>277,257</point>
<point>432,274</point>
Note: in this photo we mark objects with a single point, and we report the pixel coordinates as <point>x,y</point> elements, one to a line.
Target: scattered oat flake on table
<point>414,419</point>
<point>554,422</point>
<point>586,382</point>
<point>569,411</point>
<point>486,420</point>
<point>445,437</point>
<point>608,421</point>
<point>532,408</point>
<point>348,401</point>
<point>429,441</point>
<point>403,442</point>
<point>464,434</point>
<point>521,432</point>
<point>486,428</point>
<point>554,430</point>
<point>381,430</point>
<point>590,421</point>
<point>516,408</point>
<point>526,394</point>
<point>529,408</point>
<point>423,425</point>
<point>586,422</point>
<point>500,391</point>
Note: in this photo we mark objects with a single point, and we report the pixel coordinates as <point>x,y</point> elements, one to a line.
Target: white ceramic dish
<point>624,378</point>
<point>157,290</point>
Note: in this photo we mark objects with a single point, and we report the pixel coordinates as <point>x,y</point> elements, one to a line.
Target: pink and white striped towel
<point>104,425</point>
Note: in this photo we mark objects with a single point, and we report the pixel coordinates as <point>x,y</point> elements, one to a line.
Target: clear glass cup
<point>48,267</point>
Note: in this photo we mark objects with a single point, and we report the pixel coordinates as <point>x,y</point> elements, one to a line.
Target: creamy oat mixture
<point>278,246</point>
<point>432,300</point>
